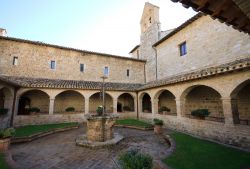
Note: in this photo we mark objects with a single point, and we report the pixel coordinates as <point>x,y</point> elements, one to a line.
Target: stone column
<point>180,107</point>
<point>230,110</point>
<point>86,111</point>
<point>115,105</point>
<point>16,106</point>
<point>51,106</point>
<point>154,103</point>
<point>135,104</point>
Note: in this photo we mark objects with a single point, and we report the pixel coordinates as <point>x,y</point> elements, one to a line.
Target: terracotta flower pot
<point>4,144</point>
<point>157,129</point>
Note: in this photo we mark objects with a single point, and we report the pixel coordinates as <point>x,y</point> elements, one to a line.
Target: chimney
<point>3,32</point>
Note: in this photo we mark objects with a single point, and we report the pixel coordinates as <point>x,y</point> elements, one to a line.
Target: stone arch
<point>241,103</point>
<point>203,97</point>
<point>67,99</point>
<point>125,103</point>
<point>33,98</point>
<point>95,100</point>
<point>146,102</point>
<point>166,102</point>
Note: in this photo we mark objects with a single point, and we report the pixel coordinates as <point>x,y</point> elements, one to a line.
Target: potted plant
<point>164,109</point>
<point>33,110</point>
<point>3,111</point>
<point>99,110</point>
<point>158,126</point>
<point>70,109</point>
<point>200,113</point>
<point>5,136</point>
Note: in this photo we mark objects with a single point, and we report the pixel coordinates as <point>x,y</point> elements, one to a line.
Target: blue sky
<point>109,26</point>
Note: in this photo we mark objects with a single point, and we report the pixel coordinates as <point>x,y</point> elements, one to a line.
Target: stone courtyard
<point>59,151</point>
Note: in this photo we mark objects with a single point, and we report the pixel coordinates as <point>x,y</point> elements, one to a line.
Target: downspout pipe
<point>137,103</point>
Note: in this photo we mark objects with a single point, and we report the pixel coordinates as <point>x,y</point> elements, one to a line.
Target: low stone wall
<point>46,119</point>
<point>125,115</point>
<point>237,135</point>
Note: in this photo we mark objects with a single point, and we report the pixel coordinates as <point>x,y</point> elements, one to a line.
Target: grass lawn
<point>133,122</point>
<point>33,129</point>
<point>193,153</point>
<point>3,164</point>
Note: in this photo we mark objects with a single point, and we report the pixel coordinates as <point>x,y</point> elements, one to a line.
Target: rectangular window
<point>81,67</point>
<point>52,64</point>
<point>183,49</point>
<point>127,72</point>
<point>15,60</point>
<point>106,71</point>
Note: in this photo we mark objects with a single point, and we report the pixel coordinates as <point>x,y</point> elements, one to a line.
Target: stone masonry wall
<point>69,99</point>
<point>38,99</point>
<point>34,61</point>
<point>208,42</point>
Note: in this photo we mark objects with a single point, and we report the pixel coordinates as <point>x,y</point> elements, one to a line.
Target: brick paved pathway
<point>59,151</point>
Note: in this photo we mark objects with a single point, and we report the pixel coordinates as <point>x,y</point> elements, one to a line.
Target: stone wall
<point>34,61</point>
<point>218,102</point>
<point>150,28</point>
<point>38,99</point>
<point>204,98</point>
<point>208,42</point>
<point>69,99</point>
<point>243,101</point>
<point>95,101</point>
<point>167,100</point>
<point>48,119</point>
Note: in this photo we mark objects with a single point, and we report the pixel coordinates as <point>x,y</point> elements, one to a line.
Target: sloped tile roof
<point>68,84</point>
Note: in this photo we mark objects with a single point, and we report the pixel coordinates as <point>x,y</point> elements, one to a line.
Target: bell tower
<point>150,33</point>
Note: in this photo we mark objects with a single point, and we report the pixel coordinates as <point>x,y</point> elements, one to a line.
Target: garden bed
<point>134,124</point>
<point>191,153</point>
<point>32,132</point>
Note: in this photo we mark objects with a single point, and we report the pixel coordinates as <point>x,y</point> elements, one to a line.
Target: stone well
<point>99,132</point>
<point>100,128</point>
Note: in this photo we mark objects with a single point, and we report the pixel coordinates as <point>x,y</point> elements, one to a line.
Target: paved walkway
<point>59,151</point>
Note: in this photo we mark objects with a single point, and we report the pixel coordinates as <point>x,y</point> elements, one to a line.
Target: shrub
<point>200,113</point>
<point>158,122</point>
<point>7,132</point>
<point>134,160</point>
<point>164,108</point>
<point>99,110</point>
<point>34,109</point>
<point>3,111</point>
<point>126,108</point>
<point>70,109</point>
